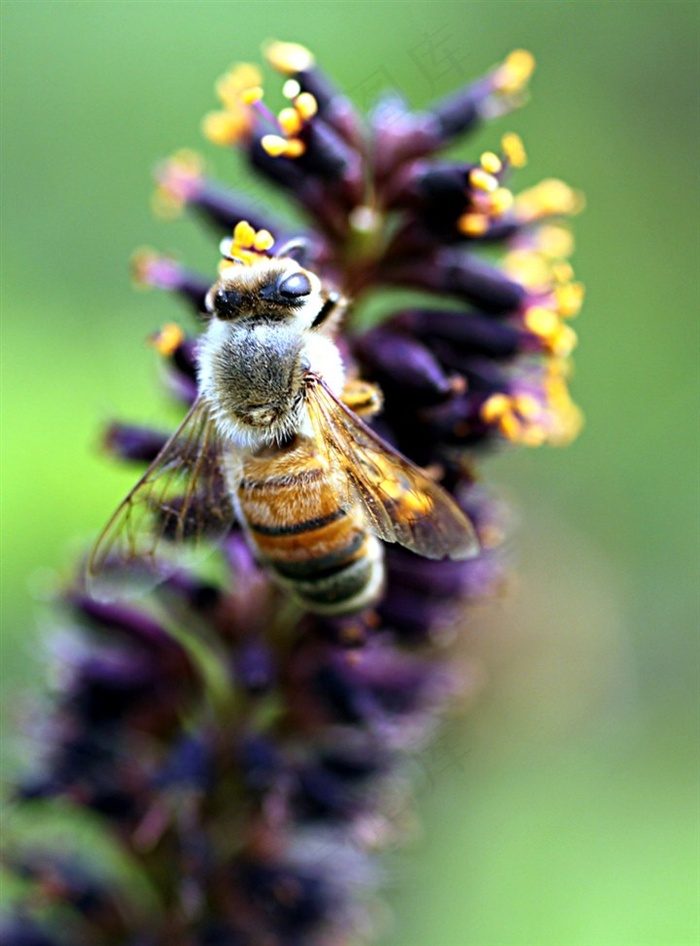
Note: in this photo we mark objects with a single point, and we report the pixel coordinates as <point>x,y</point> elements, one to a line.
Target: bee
<point>272,441</point>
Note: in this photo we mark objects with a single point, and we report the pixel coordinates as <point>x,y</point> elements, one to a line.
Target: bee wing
<point>179,504</point>
<point>401,503</point>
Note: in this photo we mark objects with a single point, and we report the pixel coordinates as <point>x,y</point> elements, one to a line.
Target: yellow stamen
<point>490,162</point>
<point>225,128</point>
<point>263,240</point>
<point>500,201</point>
<point>288,58</point>
<point>514,74</point>
<point>541,322</point>
<point>548,198</point>
<point>494,407</point>
<point>526,405</point>
<point>236,82</point>
<point>290,121</point>
<point>243,234</point>
<point>532,435</point>
<point>275,145</point>
<point>306,104</point>
<point>555,242</point>
<point>510,427</point>
<point>566,417</point>
<point>168,339</point>
<point>563,341</point>
<point>563,272</point>
<point>295,148</point>
<point>529,268</point>
<point>482,180</point>
<point>474,225</point>
<point>569,299</point>
<point>251,95</point>
<point>514,150</point>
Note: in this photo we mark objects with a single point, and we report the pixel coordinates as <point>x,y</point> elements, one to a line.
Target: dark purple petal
<point>133,443</point>
<point>395,358</point>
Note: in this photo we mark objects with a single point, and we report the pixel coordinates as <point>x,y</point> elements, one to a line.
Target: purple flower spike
<point>242,729</point>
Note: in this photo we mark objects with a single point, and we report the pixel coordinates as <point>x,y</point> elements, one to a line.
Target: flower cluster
<point>251,759</point>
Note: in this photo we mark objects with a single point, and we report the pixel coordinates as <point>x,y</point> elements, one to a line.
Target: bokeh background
<point>562,809</point>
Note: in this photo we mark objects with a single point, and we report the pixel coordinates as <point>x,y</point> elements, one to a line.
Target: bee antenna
<point>296,249</point>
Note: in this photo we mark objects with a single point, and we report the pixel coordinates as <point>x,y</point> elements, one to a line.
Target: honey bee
<point>272,441</point>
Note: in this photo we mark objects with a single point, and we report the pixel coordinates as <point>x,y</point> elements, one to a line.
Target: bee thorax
<point>252,376</point>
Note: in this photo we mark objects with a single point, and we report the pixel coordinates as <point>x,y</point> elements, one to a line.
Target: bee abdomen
<point>318,549</point>
<point>344,580</point>
<point>325,565</point>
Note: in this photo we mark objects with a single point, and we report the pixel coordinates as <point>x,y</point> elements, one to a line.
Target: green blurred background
<point>562,809</point>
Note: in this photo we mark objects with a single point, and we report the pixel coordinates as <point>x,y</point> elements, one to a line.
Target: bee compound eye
<point>226,303</point>
<point>295,286</point>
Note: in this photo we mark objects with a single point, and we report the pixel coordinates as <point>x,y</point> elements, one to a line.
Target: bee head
<point>269,290</point>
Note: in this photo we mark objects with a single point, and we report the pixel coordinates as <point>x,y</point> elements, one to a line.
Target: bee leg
<point>363,398</point>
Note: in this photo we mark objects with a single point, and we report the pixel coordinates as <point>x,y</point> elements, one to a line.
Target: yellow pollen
<point>515,72</point>
<point>246,245</point>
<point>251,95</point>
<point>555,242</point>
<point>225,128</point>
<point>563,341</point>
<point>290,121</point>
<point>495,407</point>
<point>168,339</point>
<point>514,150</point>
<point>263,240</point>
<point>569,299</point>
<point>236,82</point>
<point>306,104</point>
<point>563,272</point>
<point>510,427</point>
<point>526,405</point>
<point>529,268</point>
<point>243,234</point>
<point>490,162</point>
<point>473,224</point>
<point>288,58</point>
<point>295,148</point>
<point>501,200</point>
<point>482,180</point>
<point>532,435</point>
<point>542,322</point>
<point>548,198</point>
<point>275,145</point>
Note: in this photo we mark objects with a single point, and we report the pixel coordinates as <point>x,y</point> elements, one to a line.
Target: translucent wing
<point>401,503</point>
<point>180,504</point>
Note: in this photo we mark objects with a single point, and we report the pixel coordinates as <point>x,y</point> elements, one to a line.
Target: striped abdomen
<point>321,551</point>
